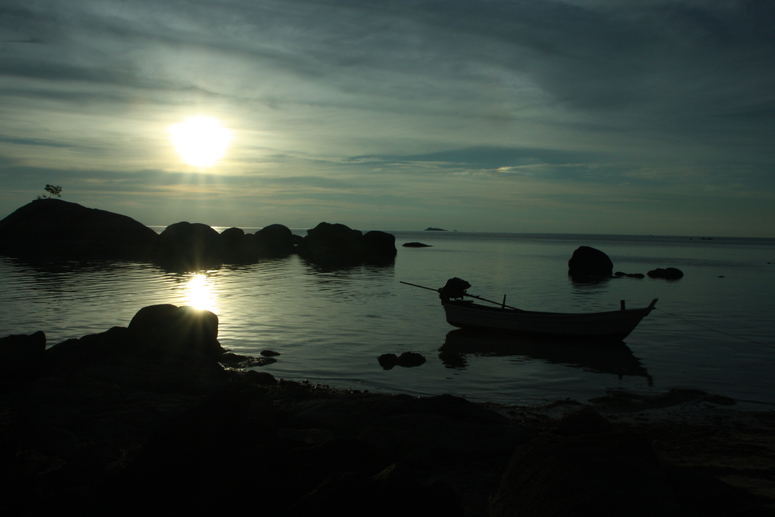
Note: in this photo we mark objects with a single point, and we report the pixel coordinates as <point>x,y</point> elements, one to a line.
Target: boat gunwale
<point>469,304</point>
<point>467,314</point>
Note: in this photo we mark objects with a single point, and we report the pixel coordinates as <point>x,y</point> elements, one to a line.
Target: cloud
<point>337,100</point>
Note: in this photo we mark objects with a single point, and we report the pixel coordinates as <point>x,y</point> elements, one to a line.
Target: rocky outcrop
<point>52,229</point>
<point>145,415</point>
<point>275,240</point>
<point>236,246</point>
<point>188,246</point>
<point>589,263</point>
<point>339,244</point>
<point>22,348</point>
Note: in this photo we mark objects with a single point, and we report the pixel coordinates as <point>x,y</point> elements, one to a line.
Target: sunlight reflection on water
<point>330,325</point>
<point>200,293</point>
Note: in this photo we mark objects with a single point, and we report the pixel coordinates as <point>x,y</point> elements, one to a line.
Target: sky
<point>563,116</point>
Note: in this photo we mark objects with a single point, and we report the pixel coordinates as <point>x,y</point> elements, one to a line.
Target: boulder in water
<point>589,263</point>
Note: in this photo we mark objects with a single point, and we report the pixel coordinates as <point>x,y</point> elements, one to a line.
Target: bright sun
<point>200,141</point>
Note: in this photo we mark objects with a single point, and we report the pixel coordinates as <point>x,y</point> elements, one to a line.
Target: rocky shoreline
<point>56,230</point>
<point>156,416</point>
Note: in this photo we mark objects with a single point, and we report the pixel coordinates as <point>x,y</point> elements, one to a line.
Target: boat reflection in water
<point>612,358</point>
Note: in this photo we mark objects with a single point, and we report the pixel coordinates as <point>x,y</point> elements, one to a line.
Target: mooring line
<point>712,329</point>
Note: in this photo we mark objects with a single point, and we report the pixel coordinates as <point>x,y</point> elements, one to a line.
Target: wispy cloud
<point>404,106</point>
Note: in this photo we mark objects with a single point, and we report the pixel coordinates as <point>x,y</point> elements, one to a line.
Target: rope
<point>712,329</point>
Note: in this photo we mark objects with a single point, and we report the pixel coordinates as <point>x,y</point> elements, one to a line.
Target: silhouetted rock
<point>275,240</point>
<point>232,238</point>
<point>669,273</point>
<point>588,263</point>
<point>620,274</point>
<point>23,348</point>
<point>237,247</point>
<point>339,244</point>
<point>178,329</point>
<point>415,245</point>
<point>52,229</point>
<point>188,246</point>
<point>333,243</point>
<point>260,378</point>
<point>379,246</point>
<point>233,241</point>
<point>407,360</point>
<point>20,354</point>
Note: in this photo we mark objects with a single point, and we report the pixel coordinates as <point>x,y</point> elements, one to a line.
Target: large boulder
<point>339,244</point>
<point>589,263</point>
<point>188,246</point>
<point>232,238</point>
<point>379,245</point>
<point>275,240</point>
<point>52,229</point>
<point>237,247</point>
<point>333,243</point>
<point>178,330</point>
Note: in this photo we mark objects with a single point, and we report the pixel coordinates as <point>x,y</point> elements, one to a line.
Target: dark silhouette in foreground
<point>148,417</point>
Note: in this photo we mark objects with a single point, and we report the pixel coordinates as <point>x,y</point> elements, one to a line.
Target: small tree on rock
<point>53,190</point>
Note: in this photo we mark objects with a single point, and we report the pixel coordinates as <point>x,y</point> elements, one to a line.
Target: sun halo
<point>200,141</point>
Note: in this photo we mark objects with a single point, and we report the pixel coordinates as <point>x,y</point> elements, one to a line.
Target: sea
<point>712,330</point>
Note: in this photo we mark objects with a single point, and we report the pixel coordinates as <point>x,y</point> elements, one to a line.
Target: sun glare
<point>199,293</point>
<point>200,141</point>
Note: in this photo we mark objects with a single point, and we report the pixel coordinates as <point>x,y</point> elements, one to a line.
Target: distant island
<point>432,229</point>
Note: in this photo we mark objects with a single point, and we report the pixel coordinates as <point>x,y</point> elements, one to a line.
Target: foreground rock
<point>146,415</point>
<point>607,474</point>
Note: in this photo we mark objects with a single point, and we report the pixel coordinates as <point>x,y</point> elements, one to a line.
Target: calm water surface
<point>713,329</point>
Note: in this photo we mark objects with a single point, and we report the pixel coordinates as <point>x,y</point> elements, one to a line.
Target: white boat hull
<point>613,325</point>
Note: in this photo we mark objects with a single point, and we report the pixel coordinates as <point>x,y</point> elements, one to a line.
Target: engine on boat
<point>454,289</point>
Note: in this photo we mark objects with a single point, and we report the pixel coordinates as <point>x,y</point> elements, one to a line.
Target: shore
<point>101,424</point>
<point>686,428</point>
